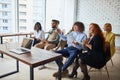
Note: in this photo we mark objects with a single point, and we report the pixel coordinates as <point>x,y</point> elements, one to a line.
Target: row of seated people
<point>77,40</point>
<point>95,43</point>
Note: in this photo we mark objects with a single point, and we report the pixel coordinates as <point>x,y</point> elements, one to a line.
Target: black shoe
<point>86,78</point>
<point>73,74</point>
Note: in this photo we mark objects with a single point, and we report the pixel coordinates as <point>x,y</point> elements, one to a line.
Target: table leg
<point>17,65</point>
<point>7,74</point>
<point>1,55</point>
<point>31,73</point>
<point>59,72</point>
<point>1,38</point>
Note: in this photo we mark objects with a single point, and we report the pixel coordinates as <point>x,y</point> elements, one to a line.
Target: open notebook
<point>25,46</point>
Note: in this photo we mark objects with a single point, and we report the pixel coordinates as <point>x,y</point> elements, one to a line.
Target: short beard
<point>53,26</point>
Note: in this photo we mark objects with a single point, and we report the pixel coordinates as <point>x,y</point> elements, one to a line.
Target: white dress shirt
<point>40,34</point>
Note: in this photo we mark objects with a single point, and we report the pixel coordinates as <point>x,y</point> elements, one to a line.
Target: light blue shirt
<point>74,36</point>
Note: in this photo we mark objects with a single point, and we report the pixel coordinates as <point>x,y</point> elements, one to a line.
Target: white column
<point>70,14</point>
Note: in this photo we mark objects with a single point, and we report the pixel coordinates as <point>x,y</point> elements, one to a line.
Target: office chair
<point>108,57</point>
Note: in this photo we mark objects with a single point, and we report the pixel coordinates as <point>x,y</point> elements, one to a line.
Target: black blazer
<point>95,57</point>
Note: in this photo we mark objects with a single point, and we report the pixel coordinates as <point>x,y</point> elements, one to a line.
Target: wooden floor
<point>8,64</point>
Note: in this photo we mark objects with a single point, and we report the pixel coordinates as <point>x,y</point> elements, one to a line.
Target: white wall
<point>100,11</point>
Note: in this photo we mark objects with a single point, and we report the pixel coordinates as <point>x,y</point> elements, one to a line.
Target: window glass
<point>21,15</point>
<point>4,5</point>
<point>30,12</point>
<point>4,13</point>
<point>7,16</point>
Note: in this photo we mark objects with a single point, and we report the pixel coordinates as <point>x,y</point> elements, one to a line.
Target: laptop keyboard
<point>23,50</point>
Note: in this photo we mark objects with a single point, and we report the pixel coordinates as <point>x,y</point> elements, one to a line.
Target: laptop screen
<point>27,43</point>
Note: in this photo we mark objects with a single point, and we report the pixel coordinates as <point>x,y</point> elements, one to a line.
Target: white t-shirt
<point>40,34</point>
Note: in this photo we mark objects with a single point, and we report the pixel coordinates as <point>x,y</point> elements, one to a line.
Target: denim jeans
<point>35,42</point>
<point>70,53</point>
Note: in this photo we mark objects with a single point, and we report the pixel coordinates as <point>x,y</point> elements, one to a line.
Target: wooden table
<point>13,34</point>
<point>33,59</point>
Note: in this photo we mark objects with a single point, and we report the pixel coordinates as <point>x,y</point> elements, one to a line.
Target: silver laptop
<point>25,46</point>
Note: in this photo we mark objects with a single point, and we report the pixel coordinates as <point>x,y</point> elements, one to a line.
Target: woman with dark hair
<point>38,33</point>
<point>95,55</point>
<point>74,41</point>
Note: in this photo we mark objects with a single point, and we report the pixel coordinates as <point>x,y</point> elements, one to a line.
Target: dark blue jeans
<point>35,41</point>
<point>70,53</point>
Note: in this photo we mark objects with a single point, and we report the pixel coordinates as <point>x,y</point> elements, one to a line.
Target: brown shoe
<point>63,73</point>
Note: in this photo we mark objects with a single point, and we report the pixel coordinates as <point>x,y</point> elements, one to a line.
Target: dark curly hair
<point>38,25</point>
<point>80,25</point>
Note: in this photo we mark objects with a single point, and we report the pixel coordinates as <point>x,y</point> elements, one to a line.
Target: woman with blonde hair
<point>109,37</point>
